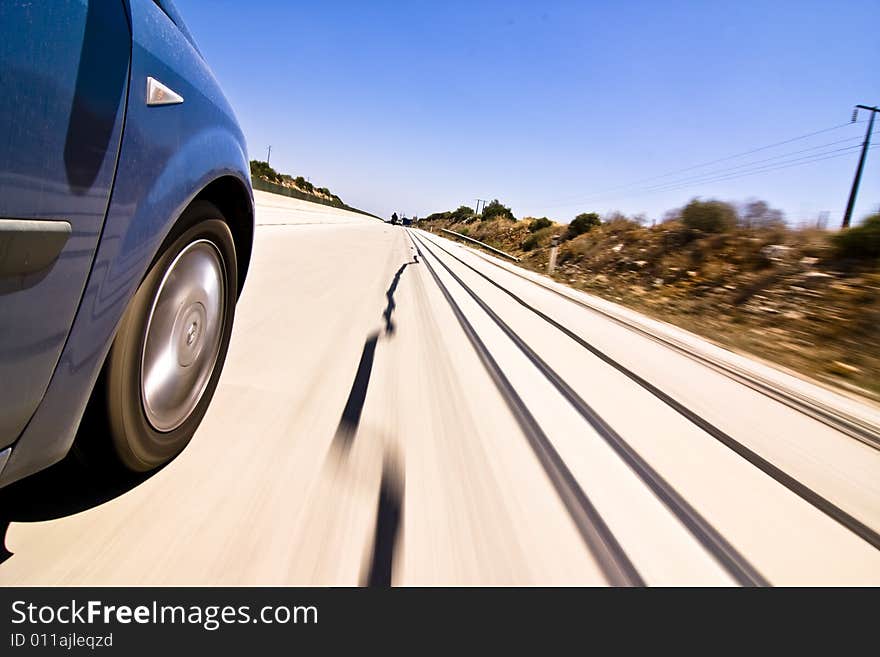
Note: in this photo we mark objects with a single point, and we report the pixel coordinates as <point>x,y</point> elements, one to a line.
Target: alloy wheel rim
<point>183,335</point>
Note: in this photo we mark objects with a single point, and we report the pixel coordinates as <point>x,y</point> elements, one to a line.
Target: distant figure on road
<point>394,218</point>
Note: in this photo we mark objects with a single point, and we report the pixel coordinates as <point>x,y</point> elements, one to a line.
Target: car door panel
<point>64,68</point>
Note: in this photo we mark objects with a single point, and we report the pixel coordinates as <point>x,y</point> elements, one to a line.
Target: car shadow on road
<point>64,489</point>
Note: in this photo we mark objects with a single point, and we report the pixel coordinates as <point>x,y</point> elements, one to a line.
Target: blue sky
<point>553,107</point>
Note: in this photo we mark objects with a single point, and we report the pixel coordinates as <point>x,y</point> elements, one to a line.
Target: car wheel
<point>170,348</point>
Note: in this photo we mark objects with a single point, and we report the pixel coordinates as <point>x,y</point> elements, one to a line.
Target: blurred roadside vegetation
<point>261,170</point>
<point>265,178</point>
<point>804,298</point>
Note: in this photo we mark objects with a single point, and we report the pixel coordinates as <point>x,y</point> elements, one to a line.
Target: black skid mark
<point>389,518</point>
<point>351,414</point>
<point>389,294</point>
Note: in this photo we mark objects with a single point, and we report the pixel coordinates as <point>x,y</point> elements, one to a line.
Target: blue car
<point>126,226</point>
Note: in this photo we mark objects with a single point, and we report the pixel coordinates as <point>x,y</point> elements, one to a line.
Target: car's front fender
<point>142,213</point>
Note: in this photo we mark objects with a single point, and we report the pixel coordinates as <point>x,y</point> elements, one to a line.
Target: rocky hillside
<point>805,299</point>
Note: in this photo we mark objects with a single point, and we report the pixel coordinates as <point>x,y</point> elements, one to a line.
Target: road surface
<point>397,408</point>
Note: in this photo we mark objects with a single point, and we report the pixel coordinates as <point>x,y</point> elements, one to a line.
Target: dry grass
<point>778,294</point>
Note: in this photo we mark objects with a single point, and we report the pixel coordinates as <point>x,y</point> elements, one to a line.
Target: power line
<point>722,174</point>
<point>817,157</point>
<point>746,165</point>
<point>710,175</point>
<point>579,198</point>
<point>757,150</point>
<point>761,169</point>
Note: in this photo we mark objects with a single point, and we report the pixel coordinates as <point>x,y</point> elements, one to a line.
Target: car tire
<point>171,345</point>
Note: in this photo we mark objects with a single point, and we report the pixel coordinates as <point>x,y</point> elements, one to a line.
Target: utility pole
<point>269,153</point>
<point>855,186</point>
<point>483,201</point>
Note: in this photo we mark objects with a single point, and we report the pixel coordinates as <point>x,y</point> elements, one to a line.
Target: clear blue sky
<point>424,106</point>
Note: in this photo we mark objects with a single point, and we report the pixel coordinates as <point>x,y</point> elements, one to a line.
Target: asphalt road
<point>397,408</point>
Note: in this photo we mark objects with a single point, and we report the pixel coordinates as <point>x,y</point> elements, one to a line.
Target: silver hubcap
<point>183,335</point>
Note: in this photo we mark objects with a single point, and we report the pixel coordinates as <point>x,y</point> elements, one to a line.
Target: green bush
<point>531,242</point>
<point>582,223</point>
<point>459,216</point>
<point>538,224</point>
<point>495,209</point>
<point>304,184</point>
<point>861,242</point>
<point>463,213</point>
<point>537,238</point>
<point>260,169</point>
<point>709,216</point>
<point>755,213</point>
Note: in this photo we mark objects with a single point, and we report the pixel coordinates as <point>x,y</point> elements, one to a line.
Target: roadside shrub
<point>755,213</point>
<point>496,209</point>
<point>861,242</point>
<point>618,222</point>
<point>260,169</point>
<point>538,224</point>
<point>463,213</point>
<point>535,240</point>
<point>531,242</point>
<point>304,184</point>
<point>709,216</point>
<point>582,223</point>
